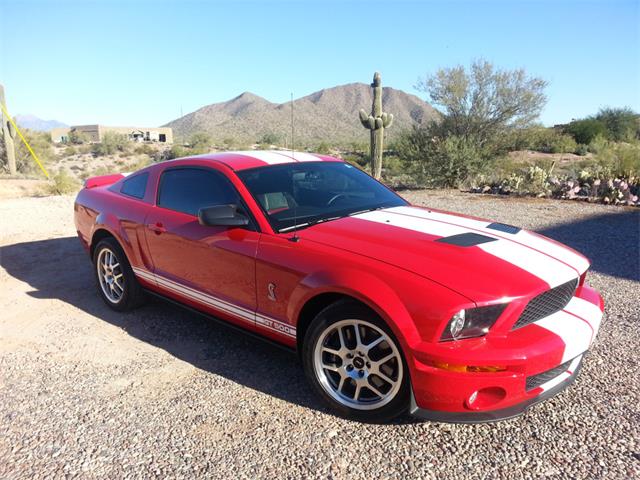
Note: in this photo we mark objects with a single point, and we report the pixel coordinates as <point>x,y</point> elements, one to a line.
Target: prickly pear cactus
<point>376,122</point>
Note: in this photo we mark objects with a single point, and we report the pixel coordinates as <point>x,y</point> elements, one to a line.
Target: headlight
<point>473,322</point>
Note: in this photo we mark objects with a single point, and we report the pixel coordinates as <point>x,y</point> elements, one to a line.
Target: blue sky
<point>141,62</point>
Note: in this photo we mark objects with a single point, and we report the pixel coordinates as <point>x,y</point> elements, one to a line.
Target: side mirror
<point>222,215</point>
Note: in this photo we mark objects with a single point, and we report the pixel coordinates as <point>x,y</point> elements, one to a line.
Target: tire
<point>117,284</point>
<point>356,381</point>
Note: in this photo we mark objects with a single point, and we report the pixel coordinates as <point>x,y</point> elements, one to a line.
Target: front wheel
<point>353,360</point>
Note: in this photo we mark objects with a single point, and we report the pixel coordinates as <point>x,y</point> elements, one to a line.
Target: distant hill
<point>330,115</point>
<point>34,123</point>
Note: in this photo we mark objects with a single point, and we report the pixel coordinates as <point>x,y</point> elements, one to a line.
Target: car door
<point>211,266</point>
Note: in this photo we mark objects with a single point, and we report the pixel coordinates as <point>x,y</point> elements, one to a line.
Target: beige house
<point>95,133</point>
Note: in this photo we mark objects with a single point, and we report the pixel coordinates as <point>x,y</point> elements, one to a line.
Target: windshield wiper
<point>327,219</point>
<point>309,224</point>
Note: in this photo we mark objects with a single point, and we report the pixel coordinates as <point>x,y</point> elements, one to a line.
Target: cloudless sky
<point>142,62</point>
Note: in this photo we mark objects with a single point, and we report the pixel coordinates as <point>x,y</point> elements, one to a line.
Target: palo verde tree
<point>478,106</point>
<point>483,102</point>
<point>376,122</point>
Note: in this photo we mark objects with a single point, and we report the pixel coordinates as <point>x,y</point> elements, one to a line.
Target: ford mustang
<point>392,308</point>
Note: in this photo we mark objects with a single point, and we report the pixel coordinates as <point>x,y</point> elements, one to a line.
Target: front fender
<point>365,287</point>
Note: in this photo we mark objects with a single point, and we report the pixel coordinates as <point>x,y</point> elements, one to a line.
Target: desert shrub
<point>144,149</point>
<point>62,184</point>
<point>581,149</point>
<point>323,148</point>
<point>200,142</point>
<point>268,139</point>
<point>41,144</point>
<point>436,160</point>
<point>111,143</point>
<point>619,160</point>
<point>539,139</point>
<point>69,151</point>
<point>621,124</point>
<point>585,131</point>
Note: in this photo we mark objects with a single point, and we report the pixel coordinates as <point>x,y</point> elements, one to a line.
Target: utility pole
<point>8,133</point>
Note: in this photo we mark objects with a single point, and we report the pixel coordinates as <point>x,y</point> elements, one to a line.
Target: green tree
<point>586,130</point>
<point>483,102</point>
<point>622,124</point>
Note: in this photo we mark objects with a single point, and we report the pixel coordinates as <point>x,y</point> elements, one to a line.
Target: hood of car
<point>480,259</point>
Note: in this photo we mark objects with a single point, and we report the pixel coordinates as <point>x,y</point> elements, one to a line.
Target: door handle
<point>158,228</point>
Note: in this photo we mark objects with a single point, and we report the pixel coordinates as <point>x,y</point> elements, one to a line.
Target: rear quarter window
<point>135,186</point>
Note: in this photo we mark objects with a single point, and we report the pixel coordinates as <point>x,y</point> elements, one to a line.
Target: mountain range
<point>32,122</point>
<point>329,115</point>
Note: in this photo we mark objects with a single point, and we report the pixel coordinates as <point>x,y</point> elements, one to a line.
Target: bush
<point>62,184</point>
<point>323,148</point>
<point>144,149</point>
<point>69,151</point>
<point>585,131</point>
<point>539,139</point>
<point>621,124</point>
<point>40,143</point>
<point>581,149</point>
<point>440,161</point>
<point>269,139</point>
<point>111,143</point>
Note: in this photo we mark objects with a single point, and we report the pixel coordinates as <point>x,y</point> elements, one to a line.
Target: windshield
<point>297,195</point>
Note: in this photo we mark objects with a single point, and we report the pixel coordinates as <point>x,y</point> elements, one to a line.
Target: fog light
<point>457,324</point>
<point>486,398</point>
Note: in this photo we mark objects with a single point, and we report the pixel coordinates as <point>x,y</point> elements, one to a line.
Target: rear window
<point>135,186</point>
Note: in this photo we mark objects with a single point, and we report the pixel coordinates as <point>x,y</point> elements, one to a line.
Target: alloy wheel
<point>358,364</point>
<point>110,275</point>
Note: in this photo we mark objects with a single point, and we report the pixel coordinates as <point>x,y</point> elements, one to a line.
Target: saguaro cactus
<point>376,123</point>
<point>8,134</point>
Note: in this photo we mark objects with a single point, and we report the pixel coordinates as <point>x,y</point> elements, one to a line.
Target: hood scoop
<point>503,227</point>
<point>469,239</point>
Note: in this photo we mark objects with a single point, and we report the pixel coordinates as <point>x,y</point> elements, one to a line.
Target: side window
<point>187,190</point>
<point>135,186</point>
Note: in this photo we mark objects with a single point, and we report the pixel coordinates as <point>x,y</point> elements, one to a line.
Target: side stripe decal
<point>214,302</point>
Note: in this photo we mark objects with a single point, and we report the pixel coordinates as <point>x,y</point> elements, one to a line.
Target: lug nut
<point>361,373</point>
<point>349,367</point>
<point>368,365</point>
<point>349,355</point>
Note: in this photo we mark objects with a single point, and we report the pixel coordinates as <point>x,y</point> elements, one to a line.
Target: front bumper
<point>535,351</point>
<point>490,415</point>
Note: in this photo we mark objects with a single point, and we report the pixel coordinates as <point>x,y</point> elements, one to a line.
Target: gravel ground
<point>162,392</point>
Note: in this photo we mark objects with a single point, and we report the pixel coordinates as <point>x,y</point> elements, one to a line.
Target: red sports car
<point>391,307</point>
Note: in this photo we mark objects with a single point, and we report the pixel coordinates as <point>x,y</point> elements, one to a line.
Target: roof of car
<point>243,160</point>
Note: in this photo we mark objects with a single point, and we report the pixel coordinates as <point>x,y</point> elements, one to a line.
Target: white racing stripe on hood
<point>524,237</point>
<point>549,270</point>
<point>569,257</point>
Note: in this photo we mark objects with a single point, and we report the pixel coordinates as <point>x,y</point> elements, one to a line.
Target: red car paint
<point>388,260</point>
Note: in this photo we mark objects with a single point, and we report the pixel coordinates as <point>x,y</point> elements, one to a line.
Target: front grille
<point>546,303</point>
<point>534,381</point>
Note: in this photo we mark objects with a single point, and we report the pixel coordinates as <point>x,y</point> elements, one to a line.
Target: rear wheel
<point>353,360</point>
<point>116,281</point>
